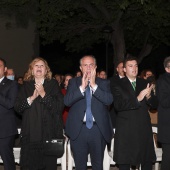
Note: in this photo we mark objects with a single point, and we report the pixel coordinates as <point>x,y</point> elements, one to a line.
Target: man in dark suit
<point>163,91</point>
<point>120,74</point>
<point>133,137</point>
<point>89,128</point>
<point>8,128</point>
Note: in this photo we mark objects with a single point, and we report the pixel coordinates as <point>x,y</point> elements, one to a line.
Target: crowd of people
<point>91,108</point>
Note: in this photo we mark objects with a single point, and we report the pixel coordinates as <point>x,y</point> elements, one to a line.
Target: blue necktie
<point>89,118</point>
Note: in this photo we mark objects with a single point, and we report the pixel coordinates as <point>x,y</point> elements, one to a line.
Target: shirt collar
<point>121,77</point>
<point>1,79</point>
<point>132,80</point>
<point>43,81</point>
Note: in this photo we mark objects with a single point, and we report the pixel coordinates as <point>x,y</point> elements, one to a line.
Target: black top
<point>40,121</point>
<point>163,94</point>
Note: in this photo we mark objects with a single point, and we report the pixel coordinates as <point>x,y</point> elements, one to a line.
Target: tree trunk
<point>145,51</point>
<point>118,43</point>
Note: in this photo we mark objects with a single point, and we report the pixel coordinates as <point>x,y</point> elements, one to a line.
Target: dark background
<point>63,62</point>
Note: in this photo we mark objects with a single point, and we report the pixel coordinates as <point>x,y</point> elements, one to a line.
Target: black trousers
<point>50,162</point>
<point>165,165</point>
<point>6,152</point>
<point>89,141</point>
<point>146,166</point>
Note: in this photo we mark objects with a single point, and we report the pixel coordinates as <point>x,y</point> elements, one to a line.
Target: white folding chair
<point>158,151</point>
<point>1,161</point>
<point>62,160</point>
<point>108,156</point>
<point>17,150</point>
<point>17,155</point>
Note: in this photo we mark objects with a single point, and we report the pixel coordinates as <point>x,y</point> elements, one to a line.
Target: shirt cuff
<point>28,100</point>
<point>94,88</point>
<point>81,90</point>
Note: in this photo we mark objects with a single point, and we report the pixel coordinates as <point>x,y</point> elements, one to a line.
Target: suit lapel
<point>93,98</point>
<point>128,85</point>
<point>98,83</point>
<point>139,86</point>
<point>3,82</point>
<point>78,81</point>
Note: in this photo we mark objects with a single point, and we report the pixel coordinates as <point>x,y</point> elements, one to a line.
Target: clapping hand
<point>93,77</point>
<point>145,93</point>
<point>84,81</point>
<point>34,96</point>
<point>90,78</point>
<point>148,95</point>
<point>40,89</point>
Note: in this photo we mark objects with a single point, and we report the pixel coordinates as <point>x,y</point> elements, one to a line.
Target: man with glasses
<point>88,124</point>
<point>163,94</point>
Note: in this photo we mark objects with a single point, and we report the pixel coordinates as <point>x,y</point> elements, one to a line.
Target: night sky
<point>63,62</point>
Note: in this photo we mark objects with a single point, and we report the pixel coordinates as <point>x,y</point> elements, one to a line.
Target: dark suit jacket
<point>163,93</point>
<point>133,136</point>
<point>112,110</point>
<point>101,98</point>
<point>8,94</point>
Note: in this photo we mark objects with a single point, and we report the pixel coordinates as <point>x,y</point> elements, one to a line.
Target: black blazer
<point>133,136</point>
<point>163,93</point>
<point>101,98</point>
<point>112,110</point>
<point>8,94</point>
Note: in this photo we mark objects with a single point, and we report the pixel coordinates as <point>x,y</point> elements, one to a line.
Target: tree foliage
<point>133,24</point>
<point>140,24</point>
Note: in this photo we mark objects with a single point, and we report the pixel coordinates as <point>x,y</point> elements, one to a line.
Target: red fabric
<point>66,109</point>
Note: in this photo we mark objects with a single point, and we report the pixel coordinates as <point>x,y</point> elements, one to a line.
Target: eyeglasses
<point>88,65</point>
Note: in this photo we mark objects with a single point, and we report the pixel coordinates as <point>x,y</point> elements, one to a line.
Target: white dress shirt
<point>92,90</point>
<point>1,79</point>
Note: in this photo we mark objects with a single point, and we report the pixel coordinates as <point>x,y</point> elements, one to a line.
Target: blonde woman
<point>40,102</point>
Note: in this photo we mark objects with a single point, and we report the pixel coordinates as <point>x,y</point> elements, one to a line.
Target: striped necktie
<point>134,85</point>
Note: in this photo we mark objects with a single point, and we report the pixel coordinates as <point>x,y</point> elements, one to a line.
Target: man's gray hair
<point>92,56</point>
<point>166,61</point>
